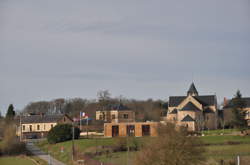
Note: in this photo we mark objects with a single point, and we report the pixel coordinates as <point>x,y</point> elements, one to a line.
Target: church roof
<point>187,119</point>
<point>190,107</point>
<point>206,100</point>
<point>192,89</point>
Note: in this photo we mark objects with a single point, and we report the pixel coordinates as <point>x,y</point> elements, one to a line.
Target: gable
<point>192,100</point>
<point>187,119</point>
<point>190,107</point>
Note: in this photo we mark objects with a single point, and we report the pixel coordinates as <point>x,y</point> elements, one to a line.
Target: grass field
<point>218,147</point>
<point>12,160</point>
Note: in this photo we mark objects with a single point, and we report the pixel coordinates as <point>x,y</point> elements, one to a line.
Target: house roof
<point>41,118</point>
<point>192,89</point>
<point>205,100</point>
<point>187,119</point>
<point>173,111</point>
<point>190,107</point>
<point>119,107</point>
<point>245,99</point>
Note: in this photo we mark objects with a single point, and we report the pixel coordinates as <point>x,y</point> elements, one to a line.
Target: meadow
<point>15,160</point>
<point>218,147</point>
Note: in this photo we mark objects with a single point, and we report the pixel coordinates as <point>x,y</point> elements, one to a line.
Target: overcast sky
<point>136,48</point>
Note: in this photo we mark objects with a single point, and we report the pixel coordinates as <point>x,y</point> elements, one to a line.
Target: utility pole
<point>20,127</point>
<point>73,137</point>
<point>87,127</point>
<point>80,121</point>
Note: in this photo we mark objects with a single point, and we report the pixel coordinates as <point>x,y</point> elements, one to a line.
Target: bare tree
<point>171,147</point>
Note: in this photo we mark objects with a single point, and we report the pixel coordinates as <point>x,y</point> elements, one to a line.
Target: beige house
<point>136,129</point>
<point>116,114</point>
<point>194,111</point>
<point>38,126</point>
<point>227,110</point>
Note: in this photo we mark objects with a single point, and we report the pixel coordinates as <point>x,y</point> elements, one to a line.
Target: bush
<point>11,144</point>
<point>62,132</point>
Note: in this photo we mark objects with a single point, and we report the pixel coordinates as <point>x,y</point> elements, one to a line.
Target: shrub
<point>11,144</point>
<point>62,132</point>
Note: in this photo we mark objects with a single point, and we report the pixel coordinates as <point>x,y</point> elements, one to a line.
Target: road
<point>37,152</point>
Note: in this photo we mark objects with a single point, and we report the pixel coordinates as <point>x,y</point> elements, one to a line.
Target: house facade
<point>136,129</point>
<point>194,111</point>
<point>116,114</point>
<point>227,110</point>
<point>38,126</point>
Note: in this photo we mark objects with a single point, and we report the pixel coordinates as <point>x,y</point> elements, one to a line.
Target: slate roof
<point>190,107</point>
<point>41,118</point>
<point>187,119</point>
<point>192,89</point>
<point>173,111</point>
<point>246,100</point>
<point>119,107</point>
<point>205,100</point>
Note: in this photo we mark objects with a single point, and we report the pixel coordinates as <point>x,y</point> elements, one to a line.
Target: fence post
<point>238,160</point>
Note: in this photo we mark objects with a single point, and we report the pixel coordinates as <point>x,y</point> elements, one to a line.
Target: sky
<point>135,48</point>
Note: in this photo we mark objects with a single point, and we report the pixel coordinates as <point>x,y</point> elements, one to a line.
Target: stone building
<point>38,126</point>
<point>194,111</point>
<point>116,113</point>
<point>227,110</point>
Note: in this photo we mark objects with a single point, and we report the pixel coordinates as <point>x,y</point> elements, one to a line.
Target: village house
<point>38,126</point>
<point>115,113</point>
<point>227,110</point>
<point>194,111</point>
<point>136,129</point>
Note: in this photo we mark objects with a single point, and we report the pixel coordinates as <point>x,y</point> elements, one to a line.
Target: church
<point>193,111</point>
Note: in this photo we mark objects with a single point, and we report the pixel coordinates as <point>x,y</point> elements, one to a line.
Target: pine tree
<point>238,104</point>
<point>10,113</point>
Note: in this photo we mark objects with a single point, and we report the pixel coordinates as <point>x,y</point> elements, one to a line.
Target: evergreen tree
<point>10,113</point>
<point>238,105</point>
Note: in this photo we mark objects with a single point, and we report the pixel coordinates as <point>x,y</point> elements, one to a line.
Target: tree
<point>103,98</point>
<point>10,113</point>
<point>62,132</point>
<point>171,147</point>
<point>238,112</point>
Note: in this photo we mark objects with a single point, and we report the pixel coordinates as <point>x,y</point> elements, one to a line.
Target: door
<point>115,130</point>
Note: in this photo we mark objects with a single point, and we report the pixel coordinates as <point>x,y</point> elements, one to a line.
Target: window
<point>174,118</point>
<point>100,117</point>
<point>125,116</point>
<point>38,127</point>
<point>64,119</point>
<point>44,127</point>
<point>207,117</point>
<point>30,128</point>
<point>113,116</point>
<point>130,130</point>
<point>23,127</point>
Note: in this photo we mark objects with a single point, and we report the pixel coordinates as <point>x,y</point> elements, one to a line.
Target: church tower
<point>192,90</point>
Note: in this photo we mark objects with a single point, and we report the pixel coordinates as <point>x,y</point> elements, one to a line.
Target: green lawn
<point>81,145</point>
<point>15,161</point>
<point>220,131</point>
<point>219,147</point>
<point>225,139</point>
